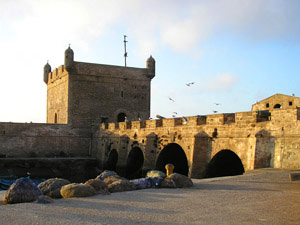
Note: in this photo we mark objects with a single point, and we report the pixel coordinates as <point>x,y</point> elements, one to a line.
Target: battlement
<point>93,69</point>
<point>239,118</point>
<point>56,73</point>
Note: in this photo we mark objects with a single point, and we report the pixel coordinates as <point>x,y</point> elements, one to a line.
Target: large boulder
<point>23,190</point>
<point>99,186</point>
<point>180,180</point>
<point>52,186</point>
<point>156,173</point>
<point>141,183</point>
<point>168,183</point>
<point>121,185</point>
<point>77,190</point>
<point>111,179</point>
<point>105,174</point>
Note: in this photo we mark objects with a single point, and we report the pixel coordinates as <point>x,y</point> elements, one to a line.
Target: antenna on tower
<point>125,54</point>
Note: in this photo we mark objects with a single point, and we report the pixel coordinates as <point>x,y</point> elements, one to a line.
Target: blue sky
<point>237,52</point>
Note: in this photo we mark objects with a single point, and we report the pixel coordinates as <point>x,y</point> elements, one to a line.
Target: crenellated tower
<point>85,94</point>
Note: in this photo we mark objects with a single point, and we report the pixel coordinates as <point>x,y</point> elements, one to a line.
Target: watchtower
<point>84,94</point>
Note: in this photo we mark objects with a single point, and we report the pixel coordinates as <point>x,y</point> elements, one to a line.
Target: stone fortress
<point>97,118</point>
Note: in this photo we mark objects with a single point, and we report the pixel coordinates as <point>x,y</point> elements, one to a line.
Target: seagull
<point>189,84</point>
<point>215,111</point>
<point>150,118</point>
<point>126,120</point>
<point>159,117</point>
<point>171,99</point>
<point>217,103</point>
<point>185,120</point>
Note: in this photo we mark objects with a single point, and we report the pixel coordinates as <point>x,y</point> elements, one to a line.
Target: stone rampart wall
<point>23,140</point>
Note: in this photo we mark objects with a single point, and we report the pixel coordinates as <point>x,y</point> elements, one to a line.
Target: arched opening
<point>55,118</point>
<point>111,163</point>
<point>134,164</point>
<point>121,117</point>
<point>224,163</point>
<point>277,106</point>
<point>174,154</point>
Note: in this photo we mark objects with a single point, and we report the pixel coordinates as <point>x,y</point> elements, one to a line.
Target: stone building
<point>98,118</point>
<point>84,94</point>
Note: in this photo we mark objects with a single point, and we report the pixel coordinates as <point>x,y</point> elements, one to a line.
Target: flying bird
<point>217,103</point>
<point>171,99</point>
<point>189,84</point>
<point>214,111</point>
<point>175,113</point>
<point>159,117</point>
<point>185,120</point>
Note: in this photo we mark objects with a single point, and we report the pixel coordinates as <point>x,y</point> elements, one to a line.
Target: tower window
<point>277,106</point>
<point>55,118</point>
<point>290,103</point>
<point>122,94</point>
<point>121,117</point>
<point>267,105</point>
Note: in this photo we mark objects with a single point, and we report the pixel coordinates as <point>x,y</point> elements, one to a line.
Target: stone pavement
<point>264,196</point>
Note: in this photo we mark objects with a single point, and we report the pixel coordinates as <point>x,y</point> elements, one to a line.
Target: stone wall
<point>258,143</point>
<point>24,140</point>
<point>101,92</point>
<point>58,96</point>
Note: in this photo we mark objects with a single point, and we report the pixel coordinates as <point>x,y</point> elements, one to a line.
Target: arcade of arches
<point>224,163</point>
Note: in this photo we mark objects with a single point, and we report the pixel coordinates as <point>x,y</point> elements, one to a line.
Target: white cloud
<point>222,82</point>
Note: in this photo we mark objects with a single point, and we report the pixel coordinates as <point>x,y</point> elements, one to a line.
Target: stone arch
<point>277,106</point>
<point>173,153</point>
<point>112,160</point>
<point>121,117</point>
<point>119,112</point>
<point>134,165</point>
<point>224,163</point>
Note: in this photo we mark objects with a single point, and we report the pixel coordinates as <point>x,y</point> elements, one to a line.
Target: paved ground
<point>265,196</point>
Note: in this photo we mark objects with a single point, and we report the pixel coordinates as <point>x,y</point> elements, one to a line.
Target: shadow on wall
<point>135,163</point>
<point>224,163</point>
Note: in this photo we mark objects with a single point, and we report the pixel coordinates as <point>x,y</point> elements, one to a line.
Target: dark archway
<point>134,164</point>
<point>224,163</point>
<point>174,154</point>
<point>111,163</point>
<point>121,117</point>
<point>277,106</point>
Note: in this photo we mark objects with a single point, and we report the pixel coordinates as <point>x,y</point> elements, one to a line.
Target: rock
<point>112,179</point>
<point>105,174</point>
<point>156,173</point>
<point>180,180</point>
<point>168,183</point>
<point>99,186</point>
<point>51,187</point>
<point>23,190</point>
<point>294,176</point>
<point>121,185</point>
<point>77,190</point>
<point>43,199</point>
<point>155,181</point>
<point>141,183</point>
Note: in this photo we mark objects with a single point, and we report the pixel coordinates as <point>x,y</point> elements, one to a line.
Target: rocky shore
<point>265,196</point>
